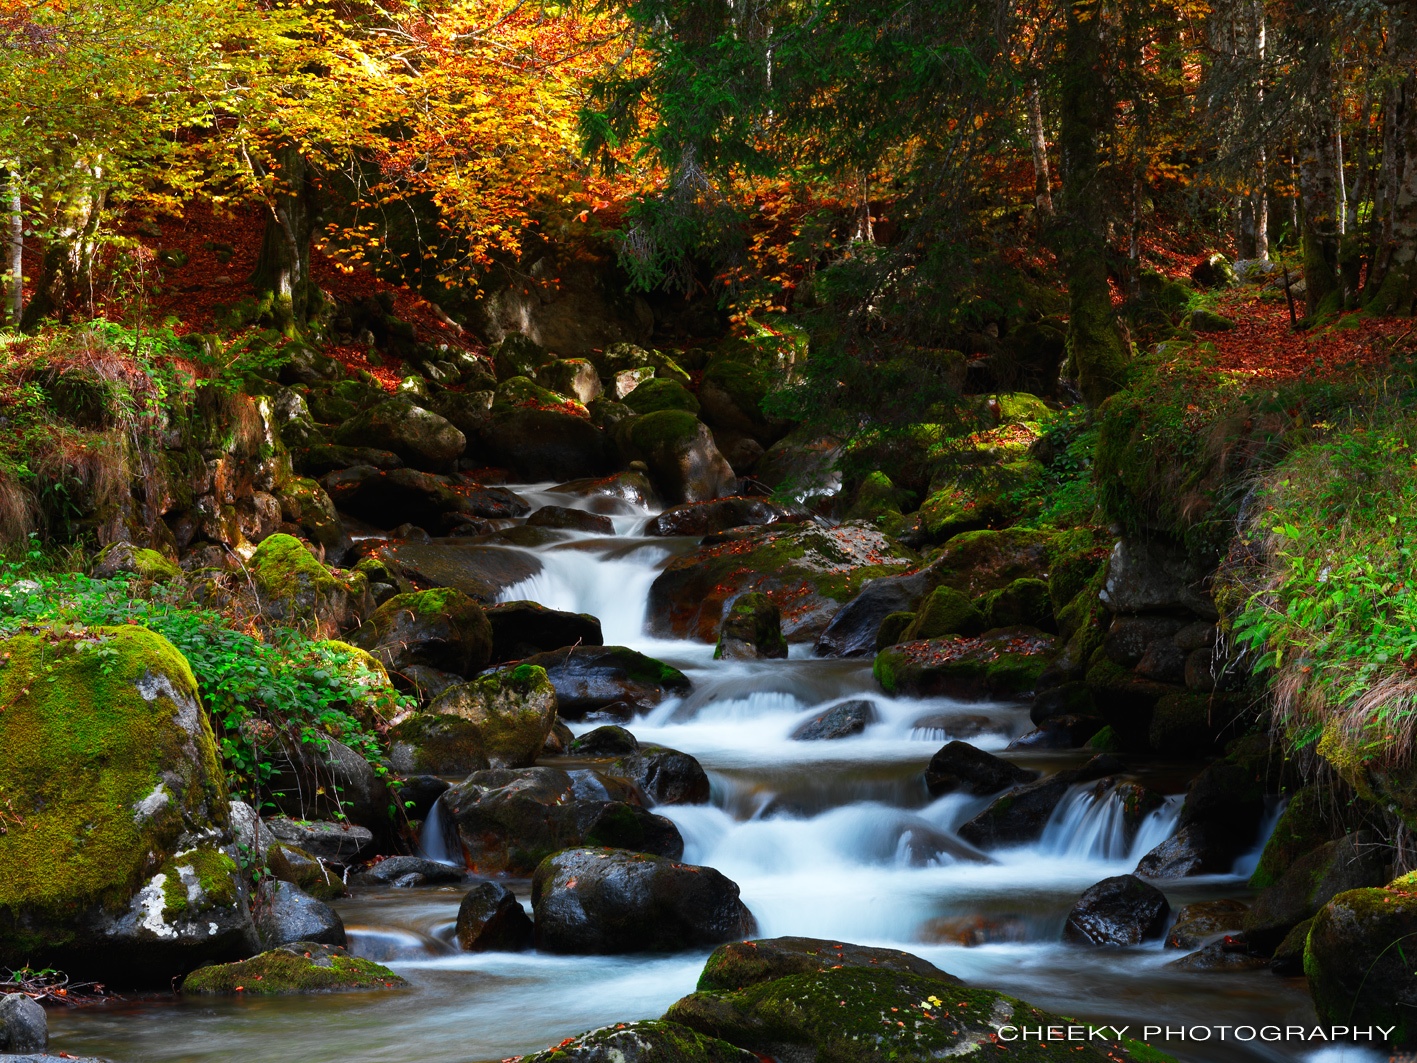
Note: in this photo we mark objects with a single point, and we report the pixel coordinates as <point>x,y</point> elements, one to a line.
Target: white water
<point>836,839</point>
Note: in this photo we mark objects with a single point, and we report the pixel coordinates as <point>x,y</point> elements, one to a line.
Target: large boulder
<point>1145,576</point>
<point>547,444</point>
<point>490,919</point>
<point>521,629</point>
<point>961,766</point>
<point>653,1041</point>
<point>125,870</point>
<point>613,901</point>
<point>591,678</point>
<point>624,492</point>
<point>440,628</point>
<point>665,776</point>
<point>477,569</point>
<point>853,629</point>
<point>513,711</point>
<point>740,964</point>
<point>1005,663</point>
<point>679,450</point>
<point>1219,820</point>
<point>387,498</point>
<point>286,914</point>
<point>127,559</point>
<point>808,571</point>
<point>1122,910</point>
<point>1349,863</point>
<point>295,588</point>
<point>751,629</point>
<point>1020,814</point>
<point>300,967</point>
<point>840,721</point>
<point>418,436</point>
<point>509,821</point>
<point>721,514</point>
<point>23,1026</point>
<point>1358,960</point>
<point>437,743</point>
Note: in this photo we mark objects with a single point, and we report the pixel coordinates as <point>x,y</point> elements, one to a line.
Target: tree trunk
<point>15,271</point>
<point>1042,183</point>
<point>1392,281</point>
<point>282,274</point>
<point>1318,186</point>
<point>1097,353</point>
<point>68,249</point>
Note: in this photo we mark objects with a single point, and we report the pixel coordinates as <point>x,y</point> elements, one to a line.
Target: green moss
<point>655,395</point>
<point>661,429</point>
<point>1105,741</point>
<point>1303,827</point>
<point>294,865</point>
<point>82,757</point>
<point>893,629</point>
<point>1023,408</point>
<point>945,611</point>
<point>1023,603</point>
<point>653,1041</point>
<point>523,391</point>
<point>198,880</point>
<point>294,586</point>
<point>144,563</point>
<point>876,497</point>
<point>303,967</point>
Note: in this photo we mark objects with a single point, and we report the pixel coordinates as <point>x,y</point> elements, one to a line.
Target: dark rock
<point>511,710</point>
<point>1069,699</point>
<point>1288,958</point>
<point>479,570</point>
<point>751,629</point>
<point>23,1026</point>
<point>840,721</point>
<point>1000,664</point>
<point>1147,576</point>
<point>333,843</point>
<point>740,964</point>
<point>1310,818</point>
<point>683,462</point>
<point>396,871</point>
<point>1359,961</point>
<point>419,793</point>
<point>327,779</point>
<point>703,518</point>
<point>289,864</point>
<point>607,741</point>
<point>1059,732</point>
<point>1122,910</point>
<point>1217,957</point>
<point>630,490</point>
<point>1021,814</point>
<point>946,612</point>
<point>321,458</point>
<point>1163,662</point>
<point>1349,863</point>
<point>420,437</point>
<point>665,776</point>
<point>442,628</point>
<point>491,920</point>
<point>1199,671</point>
<point>571,520</point>
<point>613,901</point>
<point>509,821</point>
<point>1023,603</point>
<point>426,683</point>
<point>422,499</point>
<point>960,766</point>
<point>558,741</point>
<point>591,678</point>
<point>653,1041</point>
<point>1198,924</point>
<point>1192,850</point>
<point>853,629</point>
<point>286,914</point>
<point>1129,636</point>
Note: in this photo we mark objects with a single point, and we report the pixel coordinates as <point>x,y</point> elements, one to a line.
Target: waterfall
<point>435,841</point>
<point>1089,826</point>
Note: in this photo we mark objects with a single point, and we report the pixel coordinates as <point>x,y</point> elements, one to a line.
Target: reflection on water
<point>835,839</point>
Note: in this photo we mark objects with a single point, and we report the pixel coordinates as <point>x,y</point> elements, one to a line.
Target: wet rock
<point>855,629</point>
<point>570,520</point>
<point>1358,974</point>
<point>1059,732</point>
<point>442,628</point>
<point>806,464</point>
<point>1191,724</point>
<point>740,964</point>
<point>607,741</point>
<point>521,629</point>
<point>491,920</point>
<point>1308,821</point>
<point>684,464</point>
<point>301,967</point>
<point>1219,820</point>
<point>547,444</point>
<point>1349,863</point>
<point>1216,957</point>
<point>1021,814</point>
<point>509,821</point>
<point>960,766</point>
<point>419,793</point>
<point>330,842</point>
<point>1000,664</point>
<point>808,570</point>
<point>704,518</point>
<point>481,571</point>
<point>286,914</point>
<point>23,1026</point>
<point>1200,923</point>
<point>945,612</point>
<point>613,901</point>
<point>665,776</point>
<point>1069,699</point>
<point>1147,576</point>
<point>1192,850</point>
<point>384,498</point>
<point>419,436</point>
<point>512,712</point>
<point>840,721</point>
<point>632,488</point>
<point>407,871</point>
<point>751,629</point>
<point>558,741</point>
<point>591,678</point>
<point>1122,910</point>
<point>653,1041</point>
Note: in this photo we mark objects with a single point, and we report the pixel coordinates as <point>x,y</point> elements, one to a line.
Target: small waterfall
<point>1246,862</point>
<point>1091,826</point>
<point>435,841</point>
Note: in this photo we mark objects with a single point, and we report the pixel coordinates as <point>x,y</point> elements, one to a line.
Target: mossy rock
<point>1357,958</point>
<point>523,391</point>
<point>739,964</point>
<point>945,611</point>
<point>124,557</point>
<point>734,384</point>
<point>877,497</point>
<point>752,629</point>
<point>855,1015</point>
<point>952,510</point>
<point>999,664</point>
<point>303,967</point>
<point>1307,822</point>
<point>374,700</point>
<point>1019,407</point>
<point>288,863</point>
<point>304,502</point>
<point>1023,603</point>
<point>659,394</point>
<point>429,744</point>
<point>1203,320</point>
<point>652,1041</point>
<point>513,710</point>
<point>977,562</point>
<point>893,629</point>
<point>108,764</point>
<point>518,356</point>
<point>683,459</point>
<point>441,628</point>
<point>295,588</point>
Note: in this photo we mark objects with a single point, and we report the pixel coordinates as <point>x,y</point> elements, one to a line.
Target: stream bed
<point>836,839</point>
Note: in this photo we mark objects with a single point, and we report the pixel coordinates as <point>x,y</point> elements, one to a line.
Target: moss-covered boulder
<point>858,1015</point>
<point>740,964</point>
<point>1023,603</point>
<point>575,378</point>
<point>288,863</point>
<point>302,967</point>
<point>1353,862</point>
<point>808,570</point>
<point>977,562</point>
<point>304,502</point>
<point>661,394</point>
<point>428,744</point>
<point>999,664</point>
<point>371,698</point>
<point>593,678</point>
<point>892,630</point>
<point>1358,959</point>
<point>117,861</point>
<point>512,709</point>
<point>653,1041</point>
<point>944,612</point>
<point>736,380</point>
<point>125,558</point>
<point>683,460</point>
<point>752,628</point>
<point>877,497</point>
<point>419,436</point>
<point>1307,822</point>
<point>295,588</point>
<point>440,628</point>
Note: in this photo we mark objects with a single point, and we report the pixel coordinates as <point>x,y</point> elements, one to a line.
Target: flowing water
<point>836,839</point>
